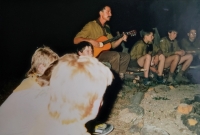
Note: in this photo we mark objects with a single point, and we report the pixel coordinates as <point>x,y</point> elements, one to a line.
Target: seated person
<point>75,95</point>
<point>20,109</point>
<point>192,45</point>
<point>148,56</point>
<point>86,49</point>
<point>94,30</point>
<point>175,56</point>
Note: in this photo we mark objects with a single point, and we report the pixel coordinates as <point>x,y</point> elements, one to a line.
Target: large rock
<point>152,130</point>
<point>126,116</point>
<point>184,108</point>
<point>137,98</point>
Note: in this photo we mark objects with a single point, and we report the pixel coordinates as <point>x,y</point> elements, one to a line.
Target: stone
<point>126,116</point>
<point>192,122</point>
<point>152,130</point>
<point>184,108</point>
<point>136,109</point>
<point>137,98</point>
<point>137,126</point>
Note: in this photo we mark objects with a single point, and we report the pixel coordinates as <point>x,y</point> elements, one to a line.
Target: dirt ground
<point>159,105</point>
<point>160,111</point>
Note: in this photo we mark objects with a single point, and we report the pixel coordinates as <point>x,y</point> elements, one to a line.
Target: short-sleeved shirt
<point>168,46</point>
<point>93,31</point>
<point>140,49</point>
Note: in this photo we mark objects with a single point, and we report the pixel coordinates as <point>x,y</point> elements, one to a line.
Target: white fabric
<point>19,112</point>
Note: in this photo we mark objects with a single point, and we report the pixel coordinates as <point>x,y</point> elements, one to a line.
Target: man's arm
<point>84,34</point>
<point>118,42</point>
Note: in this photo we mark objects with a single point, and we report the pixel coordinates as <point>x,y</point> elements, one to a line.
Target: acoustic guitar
<point>105,43</point>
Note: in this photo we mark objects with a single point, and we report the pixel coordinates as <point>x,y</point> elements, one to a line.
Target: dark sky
<point>24,26</point>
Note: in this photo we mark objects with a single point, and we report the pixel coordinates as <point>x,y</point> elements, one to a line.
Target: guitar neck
<point>112,39</point>
<point>132,33</point>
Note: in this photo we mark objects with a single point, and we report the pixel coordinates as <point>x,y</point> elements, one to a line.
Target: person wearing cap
<point>174,57</point>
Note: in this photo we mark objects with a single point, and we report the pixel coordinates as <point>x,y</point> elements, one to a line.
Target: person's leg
<point>144,62</point>
<point>186,61</point>
<point>172,62</point>
<point>124,61</point>
<point>112,57</point>
<point>160,61</point>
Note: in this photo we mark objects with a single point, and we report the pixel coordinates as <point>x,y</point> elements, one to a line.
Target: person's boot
<point>180,78</point>
<point>160,79</point>
<point>146,82</point>
<point>170,79</point>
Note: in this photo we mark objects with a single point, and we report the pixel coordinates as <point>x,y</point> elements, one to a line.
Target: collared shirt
<point>187,45</point>
<point>93,31</point>
<point>140,48</point>
<point>169,47</point>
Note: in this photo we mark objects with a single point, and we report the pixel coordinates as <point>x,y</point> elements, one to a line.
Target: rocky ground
<point>158,111</point>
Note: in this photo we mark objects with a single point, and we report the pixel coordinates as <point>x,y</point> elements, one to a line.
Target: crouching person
<point>174,57</point>
<point>149,56</point>
<point>86,49</point>
<point>22,107</point>
<point>76,89</point>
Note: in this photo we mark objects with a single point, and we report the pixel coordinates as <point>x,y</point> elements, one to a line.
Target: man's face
<point>149,38</point>
<point>192,35</point>
<point>86,52</point>
<point>172,35</point>
<point>106,13</point>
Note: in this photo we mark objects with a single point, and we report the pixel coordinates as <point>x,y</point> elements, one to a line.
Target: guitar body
<point>106,43</point>
<point>98,50</point>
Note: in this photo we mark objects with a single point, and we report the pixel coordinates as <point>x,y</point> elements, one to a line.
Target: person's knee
<point>190,57</point>
<point>115,55</point>
<point>161,57</point>
<point>177,58</point>
<point>148,57</point>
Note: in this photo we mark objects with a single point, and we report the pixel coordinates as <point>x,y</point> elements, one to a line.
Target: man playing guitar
<point>93,31</point>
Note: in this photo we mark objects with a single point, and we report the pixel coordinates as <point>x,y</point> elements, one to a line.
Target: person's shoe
<point>170,80</point>
<point>103,129</point>
<point>181,79</point>
<point>159,79</point>
<point>146,82</point>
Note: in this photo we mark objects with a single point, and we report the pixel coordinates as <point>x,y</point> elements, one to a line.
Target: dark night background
<point>26,25</point>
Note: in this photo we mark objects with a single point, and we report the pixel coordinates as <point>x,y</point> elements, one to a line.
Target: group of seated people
<point>168,53</point>
<point>156,57</point>
<point>146,54</point>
